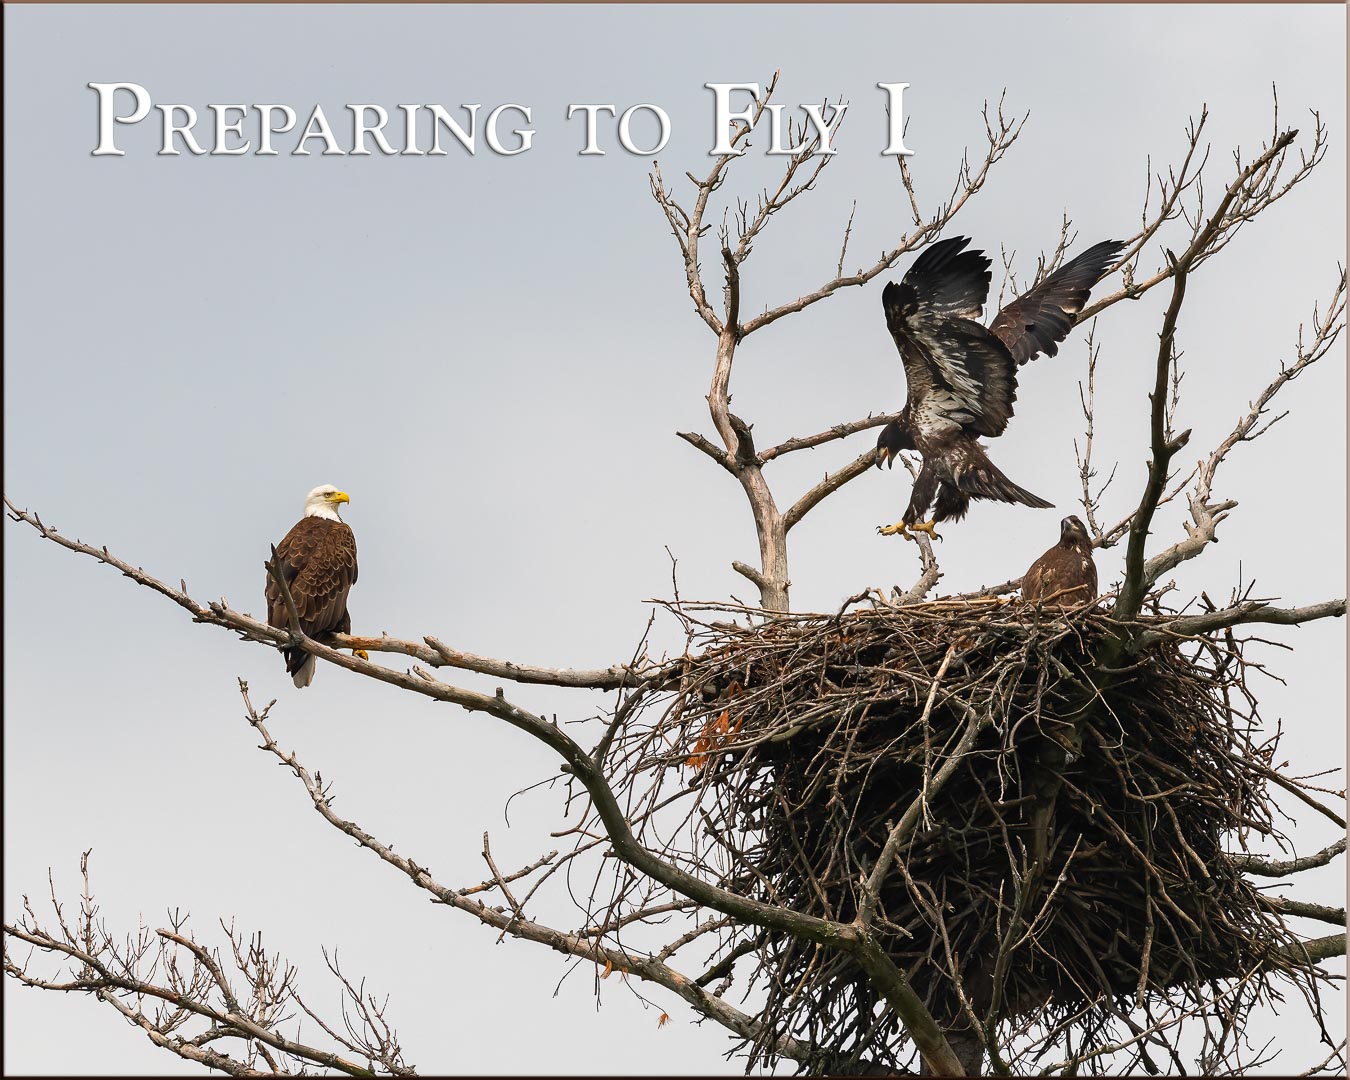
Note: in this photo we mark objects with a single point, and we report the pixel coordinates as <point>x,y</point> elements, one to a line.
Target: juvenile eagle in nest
<point>1065,576</point>
<point>317,560</point>
<point>961,377</point>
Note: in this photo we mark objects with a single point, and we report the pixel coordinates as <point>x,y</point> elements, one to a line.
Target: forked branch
<point>142,978</point>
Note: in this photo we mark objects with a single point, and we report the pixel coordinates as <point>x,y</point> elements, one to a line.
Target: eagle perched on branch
<point>961,376</point>
<point>1065,576</point>
<point>317,560</point>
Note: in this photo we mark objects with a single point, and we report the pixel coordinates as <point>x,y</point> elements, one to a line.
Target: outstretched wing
<point>958,373</point>
<point>1038,321</point>
<point>318,560</point>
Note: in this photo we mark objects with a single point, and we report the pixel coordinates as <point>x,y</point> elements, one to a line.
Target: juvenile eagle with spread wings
<point>1065,576</point>
<point>962,376</point>
<point>317,560</point>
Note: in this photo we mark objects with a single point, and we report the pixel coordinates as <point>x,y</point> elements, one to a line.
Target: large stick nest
<point>1067,866</point>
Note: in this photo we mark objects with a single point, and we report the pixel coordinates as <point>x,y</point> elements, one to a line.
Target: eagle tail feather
<point>300,667</point>
<point>987,482</point>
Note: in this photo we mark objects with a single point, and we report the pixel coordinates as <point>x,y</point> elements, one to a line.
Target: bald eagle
<point>1065,576</point>
<point>317,559</point>
<point>961,376</point>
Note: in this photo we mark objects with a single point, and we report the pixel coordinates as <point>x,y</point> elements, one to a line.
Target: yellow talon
<point>361,653</point>
<point>900,528</point>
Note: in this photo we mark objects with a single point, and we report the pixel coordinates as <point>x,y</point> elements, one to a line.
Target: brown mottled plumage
<point>961,376</point>
<point>317,558</point>
<point>1065,576</point>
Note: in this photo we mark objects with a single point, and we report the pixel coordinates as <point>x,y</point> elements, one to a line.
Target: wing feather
<point>318,560</point>
<point>1039,320</point>
<point>958,373</point>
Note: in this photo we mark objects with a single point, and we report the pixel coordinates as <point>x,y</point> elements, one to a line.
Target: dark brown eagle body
<point>1065,576</point>
<point>317,558</point>
<point>961,376</point>
<point>955,469</point>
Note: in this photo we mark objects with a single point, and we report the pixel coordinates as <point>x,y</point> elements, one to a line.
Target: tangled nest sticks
<point>1061,827</point>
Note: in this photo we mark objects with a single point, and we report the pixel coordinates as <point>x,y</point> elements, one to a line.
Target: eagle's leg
<point>920,499</point>
<point>906,529</point>
<point>929,527</point>
<point>345,627</point>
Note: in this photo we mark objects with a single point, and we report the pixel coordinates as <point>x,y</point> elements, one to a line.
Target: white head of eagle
<point>317,560</point>
<point>324,501</point>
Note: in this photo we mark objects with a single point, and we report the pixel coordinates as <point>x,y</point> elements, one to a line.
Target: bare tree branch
<point>1090,500</point>
<point>1164,447</point>
<point>828,486</point>
<point>1305,910</point>
<point>124,977</point>
<point>1254,189</point>
<point>1000,137</point>
<point>614,677</point>
<point>1206,514</point>
<point>1250,611</point>
<point>930,573</point>
<point>430,651</point>
<point>516,923</point>
<point>694,439</point>
<point>688,228</point>
<point>1323,948</point>
<point>1254,864</point>
<point>838,431</point>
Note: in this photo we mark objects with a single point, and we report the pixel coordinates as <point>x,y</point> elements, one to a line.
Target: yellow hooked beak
<point>339,497</point>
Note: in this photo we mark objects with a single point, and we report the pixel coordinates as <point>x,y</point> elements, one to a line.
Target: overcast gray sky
<point>492,355</point>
